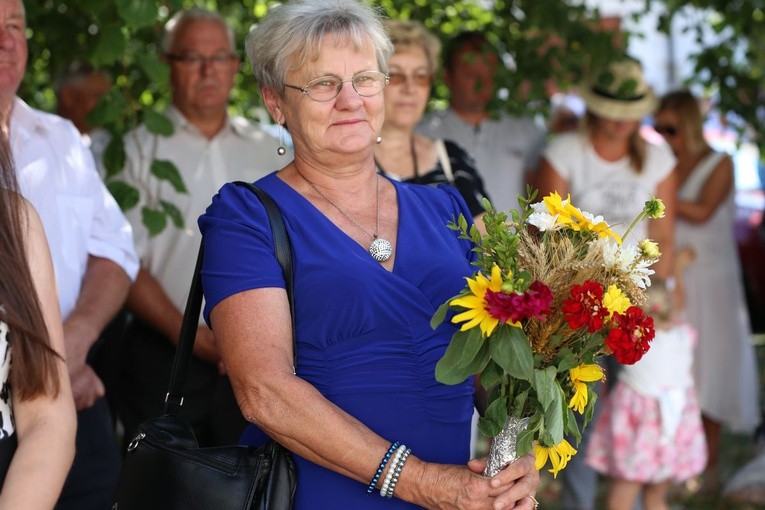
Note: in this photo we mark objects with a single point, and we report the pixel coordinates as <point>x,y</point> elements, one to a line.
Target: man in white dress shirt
<point>92,249</point>
<point>209,148</point>
<point>506,148</point>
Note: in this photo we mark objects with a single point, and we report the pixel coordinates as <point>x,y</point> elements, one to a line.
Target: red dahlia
<point>515,307</point>
<point>585,307</point>
<point>630,339</point>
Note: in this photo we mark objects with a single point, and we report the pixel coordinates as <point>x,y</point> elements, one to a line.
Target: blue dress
<point>363,333</point>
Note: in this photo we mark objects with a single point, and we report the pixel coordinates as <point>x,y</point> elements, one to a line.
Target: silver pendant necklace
<point>381,249</point>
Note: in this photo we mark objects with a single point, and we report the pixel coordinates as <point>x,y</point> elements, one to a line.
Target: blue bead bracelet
<point>383,463</point>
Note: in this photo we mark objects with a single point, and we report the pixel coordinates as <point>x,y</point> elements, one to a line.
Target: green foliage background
<point>550,41</point>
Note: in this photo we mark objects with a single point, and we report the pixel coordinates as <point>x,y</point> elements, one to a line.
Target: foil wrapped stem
<point>502,450</point>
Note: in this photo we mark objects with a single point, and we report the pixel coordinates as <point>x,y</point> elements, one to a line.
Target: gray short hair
<point>296,29</point>
<point>181,18</point>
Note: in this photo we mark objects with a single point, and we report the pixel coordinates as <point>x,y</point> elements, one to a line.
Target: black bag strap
<point>174,397</point>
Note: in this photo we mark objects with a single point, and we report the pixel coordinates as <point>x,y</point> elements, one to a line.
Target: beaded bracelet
<point>383,463</point>
<point>396,473</point>
<point>391,469</point>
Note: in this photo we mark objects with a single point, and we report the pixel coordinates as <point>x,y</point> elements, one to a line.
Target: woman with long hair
<point>37,417</point>
<point>725,366</point>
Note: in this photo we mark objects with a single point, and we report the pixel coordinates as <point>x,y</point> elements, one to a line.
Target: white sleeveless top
<point>6,412</point>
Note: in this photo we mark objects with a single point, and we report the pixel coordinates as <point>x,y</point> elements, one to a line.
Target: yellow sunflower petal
<point>488,324</point>
<point>540,456</point>
<point>587,373</point>
<point>468,301</point>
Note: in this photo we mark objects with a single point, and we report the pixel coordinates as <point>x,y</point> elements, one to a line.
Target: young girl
<point>649,434</point>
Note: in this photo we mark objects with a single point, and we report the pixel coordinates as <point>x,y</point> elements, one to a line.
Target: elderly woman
<point>725,366</point>
<point>414,157</point>
<point>373,259</point>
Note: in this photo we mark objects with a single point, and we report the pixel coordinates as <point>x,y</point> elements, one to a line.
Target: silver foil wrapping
<point>502,450</point>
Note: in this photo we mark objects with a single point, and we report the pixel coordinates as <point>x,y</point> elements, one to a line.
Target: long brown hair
<point>688,110</point>
<point>636,148</point>
<point>34,363</point>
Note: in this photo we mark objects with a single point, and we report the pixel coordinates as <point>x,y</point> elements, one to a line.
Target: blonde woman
<point>404,154</point>
<point>725,368</point>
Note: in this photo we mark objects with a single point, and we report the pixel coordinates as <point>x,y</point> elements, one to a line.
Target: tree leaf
<point>114,159</point>
<point>511,350</point>
<point>110,46</point>
<point>154,220</point>
<point>167,171</point>
<point>156,70</point>
<point>126,195</point>
<point>137,13</point>
<point>173,212</point>
<point>158,123</point>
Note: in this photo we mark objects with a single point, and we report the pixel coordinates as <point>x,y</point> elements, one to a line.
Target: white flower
<point>620,258</point>
<point>541,217</point>
<point>640,274</point>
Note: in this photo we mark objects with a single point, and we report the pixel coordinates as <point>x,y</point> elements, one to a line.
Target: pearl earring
<point>281,150</point>
<point>379,140</point>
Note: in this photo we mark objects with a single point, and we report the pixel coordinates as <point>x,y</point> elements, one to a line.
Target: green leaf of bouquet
<point>440,314</point>
<point>455,365</point>
<point>572,427</point>
<point>518,404</point>
<point>567,360</point>
<point>491,374</point>
<point>545,385</point>
<point>155,221</point>
<point>495,418</point>
<point>593,343</point>
<point>510,349</point>
<point>589,410</point>
<point>554,417</point>
<point>525,442</point>
<point>167,171</point>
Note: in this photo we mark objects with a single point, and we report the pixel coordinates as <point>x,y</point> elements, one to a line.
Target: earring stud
<point>379,140</point>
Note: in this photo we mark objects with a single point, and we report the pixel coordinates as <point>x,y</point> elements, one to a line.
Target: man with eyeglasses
<point>209,148</point>
<point>506,148</point>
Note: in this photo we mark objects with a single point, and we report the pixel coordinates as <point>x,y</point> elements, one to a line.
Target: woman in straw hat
<point>609,169</point>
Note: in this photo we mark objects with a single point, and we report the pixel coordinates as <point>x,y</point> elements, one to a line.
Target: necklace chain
<point>377,206</point>
<point>381,249</point>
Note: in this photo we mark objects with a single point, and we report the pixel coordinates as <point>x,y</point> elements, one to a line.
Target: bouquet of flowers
<point>555,291</point>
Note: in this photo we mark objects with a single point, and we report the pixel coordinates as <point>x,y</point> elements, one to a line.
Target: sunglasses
<point>666,130</point>
<point>420,79</point>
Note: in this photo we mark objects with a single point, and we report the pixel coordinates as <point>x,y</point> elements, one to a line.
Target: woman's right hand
<point>453,487</point>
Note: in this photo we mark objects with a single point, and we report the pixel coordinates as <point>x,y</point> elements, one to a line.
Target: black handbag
<point>164,468</point>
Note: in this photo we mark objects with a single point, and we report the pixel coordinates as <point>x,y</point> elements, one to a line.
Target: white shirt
<point>57,175</point>
<point>504,150</point>
<point>609,188</point>
<point>240,151</point>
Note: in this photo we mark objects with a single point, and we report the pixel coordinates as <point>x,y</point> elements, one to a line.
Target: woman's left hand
<point>516,484</point>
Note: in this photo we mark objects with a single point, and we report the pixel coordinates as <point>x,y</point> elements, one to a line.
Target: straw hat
<point>620,92</point>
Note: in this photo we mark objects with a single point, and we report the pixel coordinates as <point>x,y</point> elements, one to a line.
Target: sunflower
<point>477,313</point>
<point>559,456</point>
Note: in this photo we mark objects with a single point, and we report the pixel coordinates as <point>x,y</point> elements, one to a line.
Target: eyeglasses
<point>666,130</point>
<point>196,61</point>
<point>326,88</point>
<point>418,79</point>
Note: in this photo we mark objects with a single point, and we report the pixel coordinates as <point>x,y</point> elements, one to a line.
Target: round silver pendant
<point>380,249</point>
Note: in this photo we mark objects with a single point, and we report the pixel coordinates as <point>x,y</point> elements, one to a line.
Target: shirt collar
<point>181,122</point>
